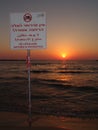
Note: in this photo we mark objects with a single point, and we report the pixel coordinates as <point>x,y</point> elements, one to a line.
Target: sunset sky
<point>72,28</point>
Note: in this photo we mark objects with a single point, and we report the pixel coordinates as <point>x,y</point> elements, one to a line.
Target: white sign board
<point>28,30</point>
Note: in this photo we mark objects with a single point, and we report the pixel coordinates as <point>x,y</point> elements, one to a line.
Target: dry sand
<point>19,121</point>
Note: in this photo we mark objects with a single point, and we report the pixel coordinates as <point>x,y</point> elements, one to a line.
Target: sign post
<point>28,31</point>
<point>29,87</point>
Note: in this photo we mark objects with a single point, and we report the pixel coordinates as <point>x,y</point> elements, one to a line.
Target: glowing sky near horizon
<point>72,28</point>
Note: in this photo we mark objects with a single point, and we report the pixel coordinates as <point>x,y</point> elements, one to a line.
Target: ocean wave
<point>60,83</point>
<point>40,71</point>
<point>13,78</point>
<point>76,72</point>
<point>48,110</point>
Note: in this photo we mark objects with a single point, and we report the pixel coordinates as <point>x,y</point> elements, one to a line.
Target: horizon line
<point>49,59</point>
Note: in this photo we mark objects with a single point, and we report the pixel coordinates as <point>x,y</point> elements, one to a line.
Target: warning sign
<point>28,30</point>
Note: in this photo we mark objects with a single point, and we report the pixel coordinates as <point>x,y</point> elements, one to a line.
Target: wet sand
<point>19,121</point>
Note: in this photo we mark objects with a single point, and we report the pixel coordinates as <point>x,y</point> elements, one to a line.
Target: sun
<point>63,55</point>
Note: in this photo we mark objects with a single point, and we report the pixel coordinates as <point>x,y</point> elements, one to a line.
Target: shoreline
<point>13,120</point>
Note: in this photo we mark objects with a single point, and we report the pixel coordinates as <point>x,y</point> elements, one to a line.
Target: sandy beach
<point>13,121</point>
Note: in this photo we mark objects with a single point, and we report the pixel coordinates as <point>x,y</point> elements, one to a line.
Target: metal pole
<point>29,87</point>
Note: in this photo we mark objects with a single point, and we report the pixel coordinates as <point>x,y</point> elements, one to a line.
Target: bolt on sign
<point>28,30</point>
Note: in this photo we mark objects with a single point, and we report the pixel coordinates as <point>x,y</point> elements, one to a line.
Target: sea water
<point>59,88</point>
